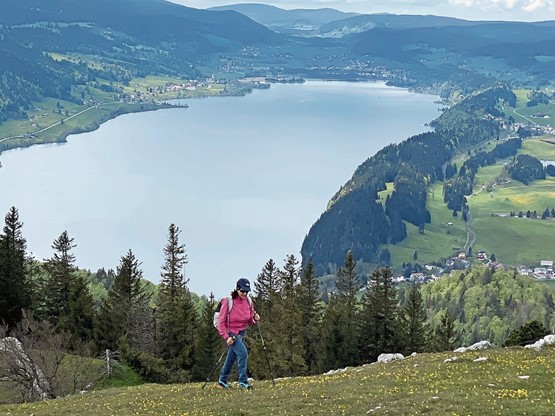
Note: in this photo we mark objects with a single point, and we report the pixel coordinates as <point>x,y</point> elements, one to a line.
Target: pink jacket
<point>240,317</point>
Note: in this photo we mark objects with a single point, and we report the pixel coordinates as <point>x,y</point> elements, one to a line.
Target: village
<point>541,271</point>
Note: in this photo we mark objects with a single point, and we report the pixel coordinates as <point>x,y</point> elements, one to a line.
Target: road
<point>21,136</point>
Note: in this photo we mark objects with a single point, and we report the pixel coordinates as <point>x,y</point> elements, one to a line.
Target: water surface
<point>243,177</point>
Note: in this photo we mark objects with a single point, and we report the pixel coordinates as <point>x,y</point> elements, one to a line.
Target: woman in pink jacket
<point>232,327</point>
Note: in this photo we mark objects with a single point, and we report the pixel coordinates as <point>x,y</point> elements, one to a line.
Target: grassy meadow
<point>512,381</point>
<point>51,120</point>
<point>441,238</point>
<point>513,240</point>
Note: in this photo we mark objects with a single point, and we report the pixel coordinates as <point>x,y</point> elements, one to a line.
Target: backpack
<point>229,306</point>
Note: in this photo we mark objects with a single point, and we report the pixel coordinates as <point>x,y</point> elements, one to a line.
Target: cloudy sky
<point>520,10</point>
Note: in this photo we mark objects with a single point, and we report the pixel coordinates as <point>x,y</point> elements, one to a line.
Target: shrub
<point>526,334</point>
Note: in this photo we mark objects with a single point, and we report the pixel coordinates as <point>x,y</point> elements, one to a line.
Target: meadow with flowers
<point>508,381</point>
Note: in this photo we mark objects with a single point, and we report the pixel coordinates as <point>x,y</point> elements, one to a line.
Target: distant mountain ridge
<point>302,22</point>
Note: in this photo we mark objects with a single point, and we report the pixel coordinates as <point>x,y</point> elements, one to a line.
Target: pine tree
<point>176,315</point>
<point>309,301</point>
<point>15,285</point>
<point>60,268</point>
<point>378,317</point>
<point>413,322</point>
<point>118,310</point>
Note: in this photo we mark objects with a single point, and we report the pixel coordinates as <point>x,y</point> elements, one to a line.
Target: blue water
<point>243,177</point>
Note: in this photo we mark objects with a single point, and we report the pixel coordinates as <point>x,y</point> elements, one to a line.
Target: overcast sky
<point>520,10</point>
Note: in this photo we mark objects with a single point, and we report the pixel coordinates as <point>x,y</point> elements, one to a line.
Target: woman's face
<point>242,295</point>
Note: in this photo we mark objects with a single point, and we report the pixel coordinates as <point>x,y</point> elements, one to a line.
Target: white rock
<point>480,359</point>
<point>386,358</point>
<point>547,340</point>
<point>482,345</point>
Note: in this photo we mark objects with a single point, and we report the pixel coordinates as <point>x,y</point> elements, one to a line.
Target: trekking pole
<point>265,352</point>
<point>215,366</point>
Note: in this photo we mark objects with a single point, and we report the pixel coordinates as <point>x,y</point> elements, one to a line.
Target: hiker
<point>232,327</point>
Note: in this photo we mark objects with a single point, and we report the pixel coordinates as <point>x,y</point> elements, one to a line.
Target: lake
<point>244,178</point>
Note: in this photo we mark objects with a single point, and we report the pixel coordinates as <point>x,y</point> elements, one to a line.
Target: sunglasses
<point>244,291</point>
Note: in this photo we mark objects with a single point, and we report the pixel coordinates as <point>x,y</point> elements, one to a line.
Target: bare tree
<point>31,359</point>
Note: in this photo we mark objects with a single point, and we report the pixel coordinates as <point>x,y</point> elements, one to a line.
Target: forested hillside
<point>109,41</point>
<point>357,220</point>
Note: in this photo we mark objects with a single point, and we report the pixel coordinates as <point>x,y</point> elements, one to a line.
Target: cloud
<point>508,5</point>
<point>535,5</point>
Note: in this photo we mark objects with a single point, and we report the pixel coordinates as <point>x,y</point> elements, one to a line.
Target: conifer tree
<point>339,337</point>
<point>413,322</point>
<point>378,316</point>
<point>267,287</point>
<point>118,310</point>
<point>309,301</point>
<point>332,339</point>
<point>15,285</point>
<point>61,270</point>
<point>267,304</point>
<point>287,330</point>
<point>79,317</point>
<point>210,342</point>
<point>445,336</point>
<point>348,286</point>
<point>176,316</point>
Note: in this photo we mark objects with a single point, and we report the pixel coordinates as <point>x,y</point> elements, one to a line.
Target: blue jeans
<point>236,352</point>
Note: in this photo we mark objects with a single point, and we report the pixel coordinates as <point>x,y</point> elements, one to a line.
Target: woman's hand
<point>230,340</point>
<point>256,317</point>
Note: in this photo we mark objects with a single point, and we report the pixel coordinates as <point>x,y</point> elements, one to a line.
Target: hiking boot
<point>245,386</point>
<point>222,385</point>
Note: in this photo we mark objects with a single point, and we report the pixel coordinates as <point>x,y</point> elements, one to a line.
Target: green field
<point>513,240</point>
<point>539,148</point>
<point>505,382</point>
<point>441,238</point>
<point>528,112</point>
<point>52,120</point>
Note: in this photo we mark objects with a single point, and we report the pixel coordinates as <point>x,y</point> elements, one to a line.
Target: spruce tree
<point>413,322</point>
<point>267,304</point>
<point>211,345</point>
<point>267,286</point>
<point>288,329</point>
<point>79,317</point>
<point>61,270</point>
<point>445,336</point>
<point>15,284</point>
<point>309,302</point>
<point>125,297</point>
<point>378,317</point>
<point>348,286</point>
<point>332,339</point>
<point>176,315</point>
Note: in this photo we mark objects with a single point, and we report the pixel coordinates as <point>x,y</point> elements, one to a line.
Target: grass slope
<point>513,240</point>
<point>509,382</point>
